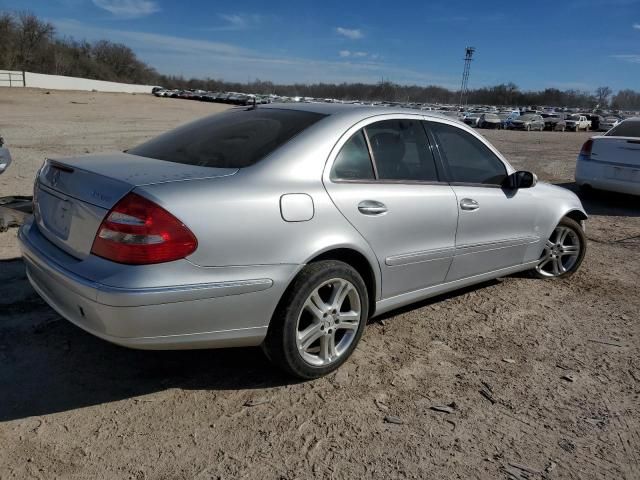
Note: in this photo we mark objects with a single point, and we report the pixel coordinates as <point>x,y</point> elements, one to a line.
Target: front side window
<point>401,151</point>
<point>234,139</point>
<point>468,159</point>
<point>353,161</point>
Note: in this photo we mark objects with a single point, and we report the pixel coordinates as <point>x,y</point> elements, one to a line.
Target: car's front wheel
<point>563,252</point>
<point>319,320</point>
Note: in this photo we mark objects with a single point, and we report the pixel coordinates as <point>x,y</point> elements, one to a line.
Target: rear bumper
<point>219,313</point>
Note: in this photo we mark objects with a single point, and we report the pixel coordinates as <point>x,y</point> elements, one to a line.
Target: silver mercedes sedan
<point>287,226</point>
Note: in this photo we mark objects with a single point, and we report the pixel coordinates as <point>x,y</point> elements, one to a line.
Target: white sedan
<point>612,161</point>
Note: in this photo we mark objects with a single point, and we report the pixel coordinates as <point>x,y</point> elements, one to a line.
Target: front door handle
<point>469,204</point>
<point>372,207</point>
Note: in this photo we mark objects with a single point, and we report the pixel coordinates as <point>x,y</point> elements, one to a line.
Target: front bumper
<point>226,311</point>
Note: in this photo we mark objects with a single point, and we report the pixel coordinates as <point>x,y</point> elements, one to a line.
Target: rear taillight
<point>586,148</point>
<point>137,231</point>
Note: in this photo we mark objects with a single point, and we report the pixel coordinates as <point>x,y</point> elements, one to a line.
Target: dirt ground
<point>543,376</point>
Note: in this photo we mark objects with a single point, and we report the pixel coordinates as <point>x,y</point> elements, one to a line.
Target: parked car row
<point>527,118</point>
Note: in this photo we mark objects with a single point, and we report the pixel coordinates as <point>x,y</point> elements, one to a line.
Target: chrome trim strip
<point>482,246</point>
<point>130,297</point>
<point>419,257</point>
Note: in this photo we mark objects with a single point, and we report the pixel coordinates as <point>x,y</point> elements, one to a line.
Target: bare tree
<point>603,94</point>
<point>32,36</point>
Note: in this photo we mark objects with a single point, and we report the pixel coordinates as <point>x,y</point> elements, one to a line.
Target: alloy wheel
<point>560,253</point>
<point>328,322</point>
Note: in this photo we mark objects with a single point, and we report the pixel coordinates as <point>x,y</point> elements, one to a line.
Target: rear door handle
<point>372,207</point>
<point>469,204</point>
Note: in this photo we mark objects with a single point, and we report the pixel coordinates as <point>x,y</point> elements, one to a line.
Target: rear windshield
<point>628,128</point>
<point>233,139</point>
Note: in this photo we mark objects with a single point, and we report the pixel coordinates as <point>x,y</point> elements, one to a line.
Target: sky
<point>577,44</point>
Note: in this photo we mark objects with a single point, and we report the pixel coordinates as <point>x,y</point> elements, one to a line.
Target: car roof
<point>351,110</point>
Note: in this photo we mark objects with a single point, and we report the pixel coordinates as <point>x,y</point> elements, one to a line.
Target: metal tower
<point>465,74</point>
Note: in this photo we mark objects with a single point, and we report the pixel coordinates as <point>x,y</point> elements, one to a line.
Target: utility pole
<point>465,74</point>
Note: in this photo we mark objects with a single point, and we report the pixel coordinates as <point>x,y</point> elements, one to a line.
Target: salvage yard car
<point>577,122</point>
<point>287,226</point>
<point>554,122</point>
<point>527,122</point>
<point>489,120</point>
<point>612,161</point>
<point>5,156</point>
<point>608,123</point>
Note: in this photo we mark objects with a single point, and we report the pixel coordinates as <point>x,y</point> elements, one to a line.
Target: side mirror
<point>5,159</point>
<point>522,179</point>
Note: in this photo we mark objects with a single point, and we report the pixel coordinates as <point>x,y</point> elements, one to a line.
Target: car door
<point>495,224</point>
<point>383,178</point>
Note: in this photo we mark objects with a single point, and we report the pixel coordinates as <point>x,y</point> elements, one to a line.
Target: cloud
<point>629,58</point>
<point>128,8</point>
<point>238,21</point>
<point>148,41</point>
<point>353,34</point>
<point>207,59</point>
<point>636,26</point>
<point>349,53</point>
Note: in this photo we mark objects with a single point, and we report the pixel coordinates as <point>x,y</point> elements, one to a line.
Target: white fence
<point>59,82</point>
<point>10,78</point>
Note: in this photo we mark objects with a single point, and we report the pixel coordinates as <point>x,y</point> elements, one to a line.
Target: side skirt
<point>398,301</point>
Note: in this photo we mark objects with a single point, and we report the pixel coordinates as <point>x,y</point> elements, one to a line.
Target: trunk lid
<point>73,195</point>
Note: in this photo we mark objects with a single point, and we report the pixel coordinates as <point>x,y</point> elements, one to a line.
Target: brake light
<point>586,148</point>
<point>138,232</point>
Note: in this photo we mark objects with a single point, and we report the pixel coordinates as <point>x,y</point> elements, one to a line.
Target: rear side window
<point>468,159</point>
<point>628,128</point>
<point>353,161</point>
<point>401,151</point>
<point>233,139</point>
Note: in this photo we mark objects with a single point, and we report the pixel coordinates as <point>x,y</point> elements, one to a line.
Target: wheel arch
<point>369,271</point>
<point>577,215</point>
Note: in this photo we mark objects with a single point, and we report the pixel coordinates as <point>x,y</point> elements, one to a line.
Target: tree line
<point>30,44</point>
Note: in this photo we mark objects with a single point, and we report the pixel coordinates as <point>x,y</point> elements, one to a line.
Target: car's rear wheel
<point>319,320</point>
<point>563,252</point>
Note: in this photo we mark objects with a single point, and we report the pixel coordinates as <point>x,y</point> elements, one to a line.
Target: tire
<point>306,307</point>
<point>563,252</point>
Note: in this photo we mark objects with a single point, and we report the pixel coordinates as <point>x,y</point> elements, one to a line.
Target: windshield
<point>526,117</point>
<point>628,128</point>
<point>573,117</point>
<point>233,139</point>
